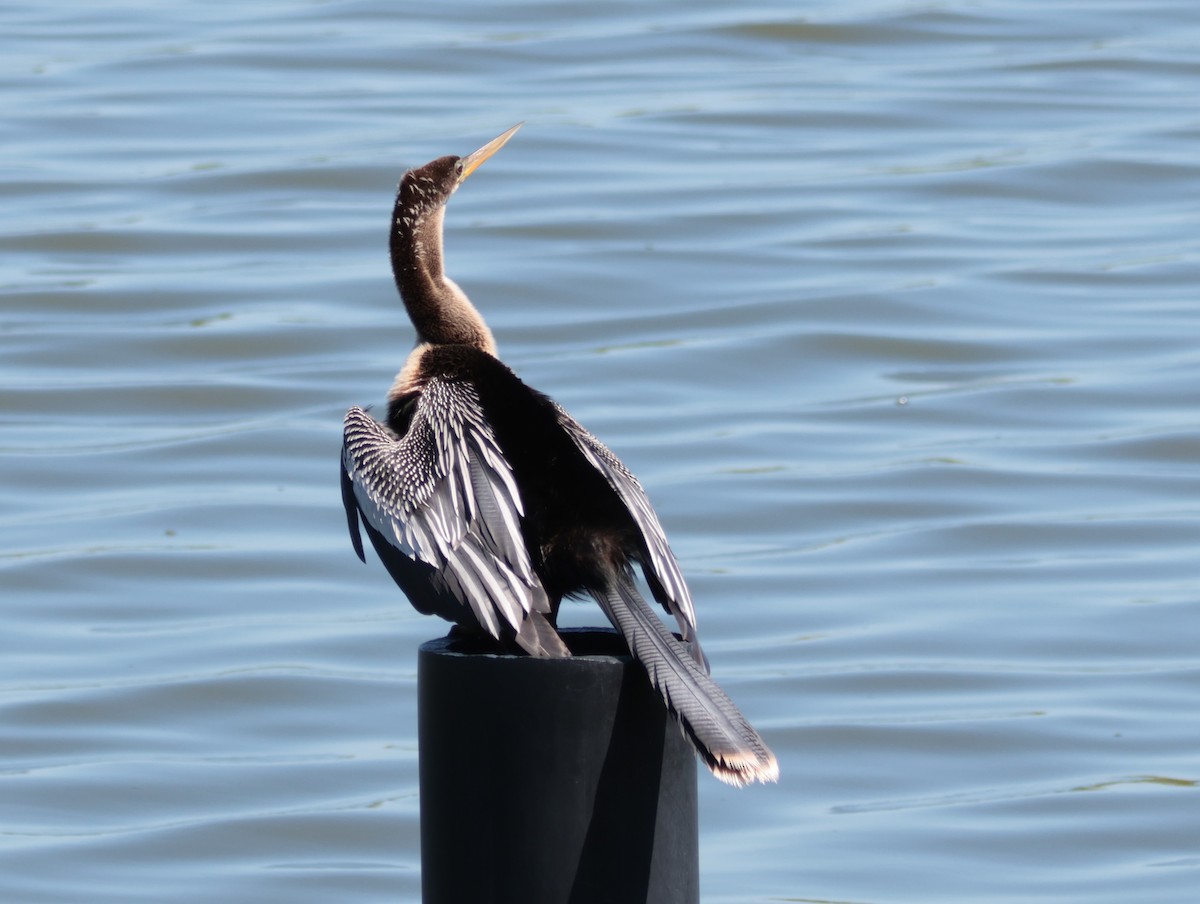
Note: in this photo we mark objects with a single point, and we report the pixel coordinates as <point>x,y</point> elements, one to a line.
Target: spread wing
<point>443,495</point>
<point>661,567</point>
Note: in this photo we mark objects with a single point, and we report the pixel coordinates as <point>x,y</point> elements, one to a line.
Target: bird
<point>488,503</point>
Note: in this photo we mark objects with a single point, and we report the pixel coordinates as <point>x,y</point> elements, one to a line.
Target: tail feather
<point>723,737</point>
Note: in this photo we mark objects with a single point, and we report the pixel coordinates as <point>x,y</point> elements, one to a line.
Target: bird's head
<point>426,188</point>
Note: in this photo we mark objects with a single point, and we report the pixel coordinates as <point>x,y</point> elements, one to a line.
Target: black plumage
<point>488,503</point>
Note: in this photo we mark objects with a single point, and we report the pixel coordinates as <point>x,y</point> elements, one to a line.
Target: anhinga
<point>488,503</point>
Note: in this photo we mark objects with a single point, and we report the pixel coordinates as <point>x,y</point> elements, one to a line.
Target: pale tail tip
<point>740,771</point>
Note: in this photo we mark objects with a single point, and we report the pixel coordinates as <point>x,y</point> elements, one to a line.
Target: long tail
<point>725,740</point>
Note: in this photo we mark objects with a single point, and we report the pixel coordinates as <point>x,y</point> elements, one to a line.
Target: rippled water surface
<point>891,305</point>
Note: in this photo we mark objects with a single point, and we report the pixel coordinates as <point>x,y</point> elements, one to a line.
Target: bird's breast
<point>411,376</point>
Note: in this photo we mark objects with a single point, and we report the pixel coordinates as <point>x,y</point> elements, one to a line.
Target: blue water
<point>891,306</point>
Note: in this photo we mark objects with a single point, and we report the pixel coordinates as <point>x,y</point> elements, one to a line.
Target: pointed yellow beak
<point>472,161</point>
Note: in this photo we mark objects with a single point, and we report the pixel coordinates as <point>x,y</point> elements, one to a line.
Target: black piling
<point>552,781</point>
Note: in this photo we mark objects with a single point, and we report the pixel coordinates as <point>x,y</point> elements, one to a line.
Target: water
<point>891,306</point>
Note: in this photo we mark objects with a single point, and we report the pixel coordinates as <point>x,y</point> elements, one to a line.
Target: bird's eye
<point>458,168</point>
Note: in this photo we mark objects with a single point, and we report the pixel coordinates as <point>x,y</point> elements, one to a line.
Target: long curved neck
<point>438,308</point>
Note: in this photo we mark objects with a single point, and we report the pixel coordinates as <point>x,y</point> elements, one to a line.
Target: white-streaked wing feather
<point>444,494</point>
<point>662,560</point>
